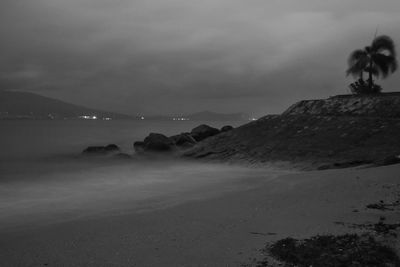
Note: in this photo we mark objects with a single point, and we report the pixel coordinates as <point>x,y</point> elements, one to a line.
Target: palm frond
<point>381,64</point>
<point>378,59</point>
<point>355,56</point>
<point>354,71</point>
<point>373,69</point>
<point>394,65</point>
<point>385,64</point>
<point>357,62</point>
<point>383,43</point>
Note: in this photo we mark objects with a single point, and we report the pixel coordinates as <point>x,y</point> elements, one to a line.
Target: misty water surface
<point>45,180</point>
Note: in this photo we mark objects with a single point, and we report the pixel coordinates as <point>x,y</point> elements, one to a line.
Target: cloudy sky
<point>182,56</point>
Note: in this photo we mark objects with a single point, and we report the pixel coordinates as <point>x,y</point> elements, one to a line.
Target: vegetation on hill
<point>377,59</point>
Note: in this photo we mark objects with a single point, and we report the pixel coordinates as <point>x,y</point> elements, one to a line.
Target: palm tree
<point>378,59</point>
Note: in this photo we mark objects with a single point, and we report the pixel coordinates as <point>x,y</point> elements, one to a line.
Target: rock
<point>138,146</point>
<point>379,206</point>
<point>226,128</point>
<point>94,149</point>
<point>157,142</point>
<point>349,164</point>
<point>111,148</point>
<point>183,140</point>
<point>203,131</point>
<point>101,149</point>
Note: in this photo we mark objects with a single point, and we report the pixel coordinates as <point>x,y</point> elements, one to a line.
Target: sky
<point>183,56</point>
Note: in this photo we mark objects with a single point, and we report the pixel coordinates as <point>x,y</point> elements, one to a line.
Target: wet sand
<point>227,229</point>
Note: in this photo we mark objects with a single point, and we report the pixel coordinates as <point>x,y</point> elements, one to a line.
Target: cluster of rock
<point>111,148</point>
<point>156,142</point>
<point>108,150</point>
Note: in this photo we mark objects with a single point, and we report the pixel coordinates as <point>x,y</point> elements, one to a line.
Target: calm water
<point>44,180</point>
<point>33,139</point>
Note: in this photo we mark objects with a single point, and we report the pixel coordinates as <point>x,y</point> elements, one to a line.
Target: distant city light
<point>142,118</point>
<point>88,117</point>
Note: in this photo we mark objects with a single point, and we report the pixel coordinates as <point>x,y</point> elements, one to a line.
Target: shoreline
<point>225,230</point>
<point>77,190</point>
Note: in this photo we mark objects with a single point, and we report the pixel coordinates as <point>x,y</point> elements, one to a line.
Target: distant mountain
<point>24,105</point>
<point>213,116</point>
<point>200,116</point>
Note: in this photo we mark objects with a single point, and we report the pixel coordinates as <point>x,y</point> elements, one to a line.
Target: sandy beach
<point>173,133</point>
<point>227,229</point>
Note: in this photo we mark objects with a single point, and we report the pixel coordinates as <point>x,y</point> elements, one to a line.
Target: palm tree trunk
<point>370,81</point>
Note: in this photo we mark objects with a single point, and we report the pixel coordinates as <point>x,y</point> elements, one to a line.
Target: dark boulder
<point>94,150</point>
<point>157,142</point>
<point>97,150</point>
<point>203,131</point>
<point>111,148</point>
<point>226,128</point>
<point>138,146</point>
<point>183,140</point>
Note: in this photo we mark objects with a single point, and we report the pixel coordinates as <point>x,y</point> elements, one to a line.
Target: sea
<point>44,178</point>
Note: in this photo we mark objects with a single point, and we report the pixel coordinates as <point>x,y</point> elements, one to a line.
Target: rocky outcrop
<point>333,133</point>
<point>138,146</point>
<point>377,105</point>
<point>112,148</point>
<point>99,150</point>
<point>183,140</point>
<point>203,131</point>
<point>155,142</point>
<point>226,128</point>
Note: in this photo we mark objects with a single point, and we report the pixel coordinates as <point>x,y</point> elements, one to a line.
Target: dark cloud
<point>177,56</point>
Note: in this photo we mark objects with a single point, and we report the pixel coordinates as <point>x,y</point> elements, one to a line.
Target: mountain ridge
<point>26,105</point>
<point>210,115</point>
